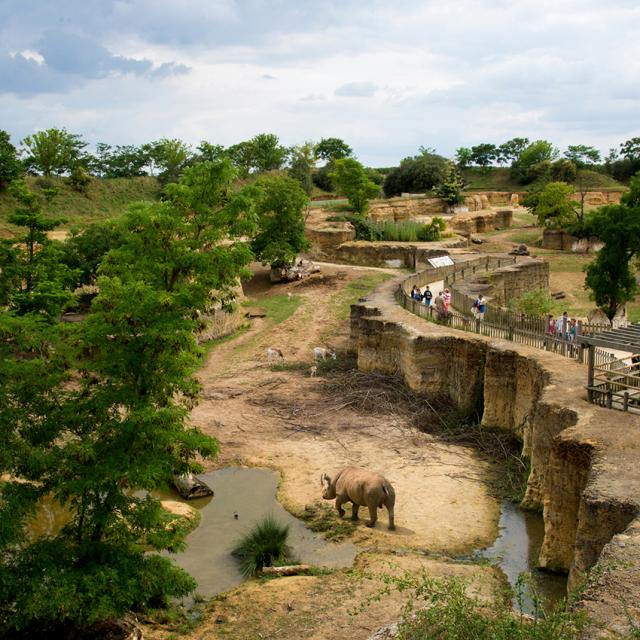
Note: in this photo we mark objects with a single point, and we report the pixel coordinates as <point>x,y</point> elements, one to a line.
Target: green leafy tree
<point>242,157</point>
<point>32,276</point>
<point>464,157</point>
<point>510,151</point>
<point>96,414</point>
<point>53,151</point>
<point>169,156</point>
<point>582,155</point>
<point>10,167</point>
<point>484,155</point>
<point>609,276</point>
<point>554,207</point>
<point>303,161</point>
<point>279,203</point>
<point>534,161</point>
<point>332,149</point>
<point>268,153</point>
<point>211,152</point>
<point>418,174</point>
<point>563,170</point>
<point>121,161</point>
<point>84,249</point>
<point>450,189</point>
<point>630,149</point>
<point>351,181</point>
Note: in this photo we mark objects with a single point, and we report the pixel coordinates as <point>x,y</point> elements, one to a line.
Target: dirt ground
<point>288,421</point>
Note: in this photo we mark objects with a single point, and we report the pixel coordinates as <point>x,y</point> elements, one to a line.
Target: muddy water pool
<point>251,494</point>
<point>516,551</point>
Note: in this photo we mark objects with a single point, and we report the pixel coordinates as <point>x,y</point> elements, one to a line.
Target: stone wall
<point>408,255</point>
<point>502,285</point>
<point>585,461</point>
<point>407,208</point>
<point>326,238</point>
<point>563,241</point>
<point>468,223</point>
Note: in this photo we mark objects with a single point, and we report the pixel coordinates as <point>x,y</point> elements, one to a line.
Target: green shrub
<point>264,545</point>
<point>387,230</point>
<point>533,303</point>
<point>441,608</point>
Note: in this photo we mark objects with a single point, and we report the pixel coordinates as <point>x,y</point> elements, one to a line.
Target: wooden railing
<point>616,381</point>
<point>497,322</point>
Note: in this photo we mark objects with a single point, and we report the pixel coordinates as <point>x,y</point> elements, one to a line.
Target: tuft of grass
<point>320,517</point>
<point>263,546</point>
<point>342,301</point>
<point>278,308</point>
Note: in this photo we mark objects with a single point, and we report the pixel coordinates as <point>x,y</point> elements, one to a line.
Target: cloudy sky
<point>387,77</point>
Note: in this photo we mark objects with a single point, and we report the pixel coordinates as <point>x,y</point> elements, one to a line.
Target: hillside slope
<point>103,199</point>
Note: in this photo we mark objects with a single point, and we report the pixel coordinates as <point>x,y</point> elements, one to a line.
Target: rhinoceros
<point>363,489</point>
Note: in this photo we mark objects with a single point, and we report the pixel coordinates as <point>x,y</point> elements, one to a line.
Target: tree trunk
<point>190,487</point>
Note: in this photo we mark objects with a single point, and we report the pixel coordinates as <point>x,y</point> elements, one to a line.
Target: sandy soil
<point>286,420</point>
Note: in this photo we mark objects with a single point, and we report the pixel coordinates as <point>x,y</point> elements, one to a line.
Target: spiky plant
<point>264,545</point>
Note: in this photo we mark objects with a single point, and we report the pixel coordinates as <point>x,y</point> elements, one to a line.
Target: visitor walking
<point>562,326</point>
<point>427,296</point>
<point>415,293</point>
<point>441,314</point>
<point>480,306</point>
<point>446,296</point>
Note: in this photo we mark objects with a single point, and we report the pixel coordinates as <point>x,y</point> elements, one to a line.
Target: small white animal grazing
<point>313,371</point>
<point>274,354</point>
<point>289,295</point>
<point>320,353</point>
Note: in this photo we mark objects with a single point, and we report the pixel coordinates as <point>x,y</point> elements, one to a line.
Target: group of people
<point>440,303</point>
<point>562,327</point>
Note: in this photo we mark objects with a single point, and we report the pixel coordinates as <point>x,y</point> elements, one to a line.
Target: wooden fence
<point>615,382</point>
<point>497,322</point>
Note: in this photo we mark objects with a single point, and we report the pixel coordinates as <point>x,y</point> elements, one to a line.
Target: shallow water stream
<point>516,551</point>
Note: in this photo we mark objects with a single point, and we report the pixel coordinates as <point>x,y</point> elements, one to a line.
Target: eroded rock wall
<point>585,460</point>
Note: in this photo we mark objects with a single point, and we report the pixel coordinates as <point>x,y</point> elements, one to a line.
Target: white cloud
<point>387,78</point>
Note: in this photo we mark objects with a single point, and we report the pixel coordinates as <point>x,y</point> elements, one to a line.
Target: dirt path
<point>288,421</point>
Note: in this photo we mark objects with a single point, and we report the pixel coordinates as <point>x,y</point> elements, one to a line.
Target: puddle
<point>516,550</point>
<point>251,493</point>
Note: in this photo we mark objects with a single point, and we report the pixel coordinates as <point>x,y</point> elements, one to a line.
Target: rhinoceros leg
<point>373,512</point>
<point>340,500</point>
<point>354,511</point>
<point>392,525</point>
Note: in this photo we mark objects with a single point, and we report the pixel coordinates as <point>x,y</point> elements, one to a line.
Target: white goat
<point>289,295</point>
<point>321,353</point>
<point>274,354</point>
<point>313,371</point>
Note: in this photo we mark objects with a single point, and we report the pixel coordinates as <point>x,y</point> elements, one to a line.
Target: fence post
<point>625,405</point>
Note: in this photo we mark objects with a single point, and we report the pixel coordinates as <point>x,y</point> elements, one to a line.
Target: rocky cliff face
<point>585,460</point>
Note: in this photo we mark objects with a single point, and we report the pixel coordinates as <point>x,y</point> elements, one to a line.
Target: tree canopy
<point>10,166</point>
<point>53,151</point>
<point>351,180</point>
<point>94,414</point>
<point>417,174</point>
<point>279,205</point>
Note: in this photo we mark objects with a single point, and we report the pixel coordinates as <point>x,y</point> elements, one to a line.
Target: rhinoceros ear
<point>324,479</point>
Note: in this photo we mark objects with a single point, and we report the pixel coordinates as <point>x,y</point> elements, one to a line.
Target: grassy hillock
<point>103,199</point>
<point>499,179</point>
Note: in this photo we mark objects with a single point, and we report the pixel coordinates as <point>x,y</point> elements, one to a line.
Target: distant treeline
<point>59,152</point>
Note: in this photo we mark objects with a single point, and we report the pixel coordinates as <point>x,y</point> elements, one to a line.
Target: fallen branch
<point>288,570</point>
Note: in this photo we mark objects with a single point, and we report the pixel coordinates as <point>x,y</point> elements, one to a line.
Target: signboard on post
<point>440,261</point>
